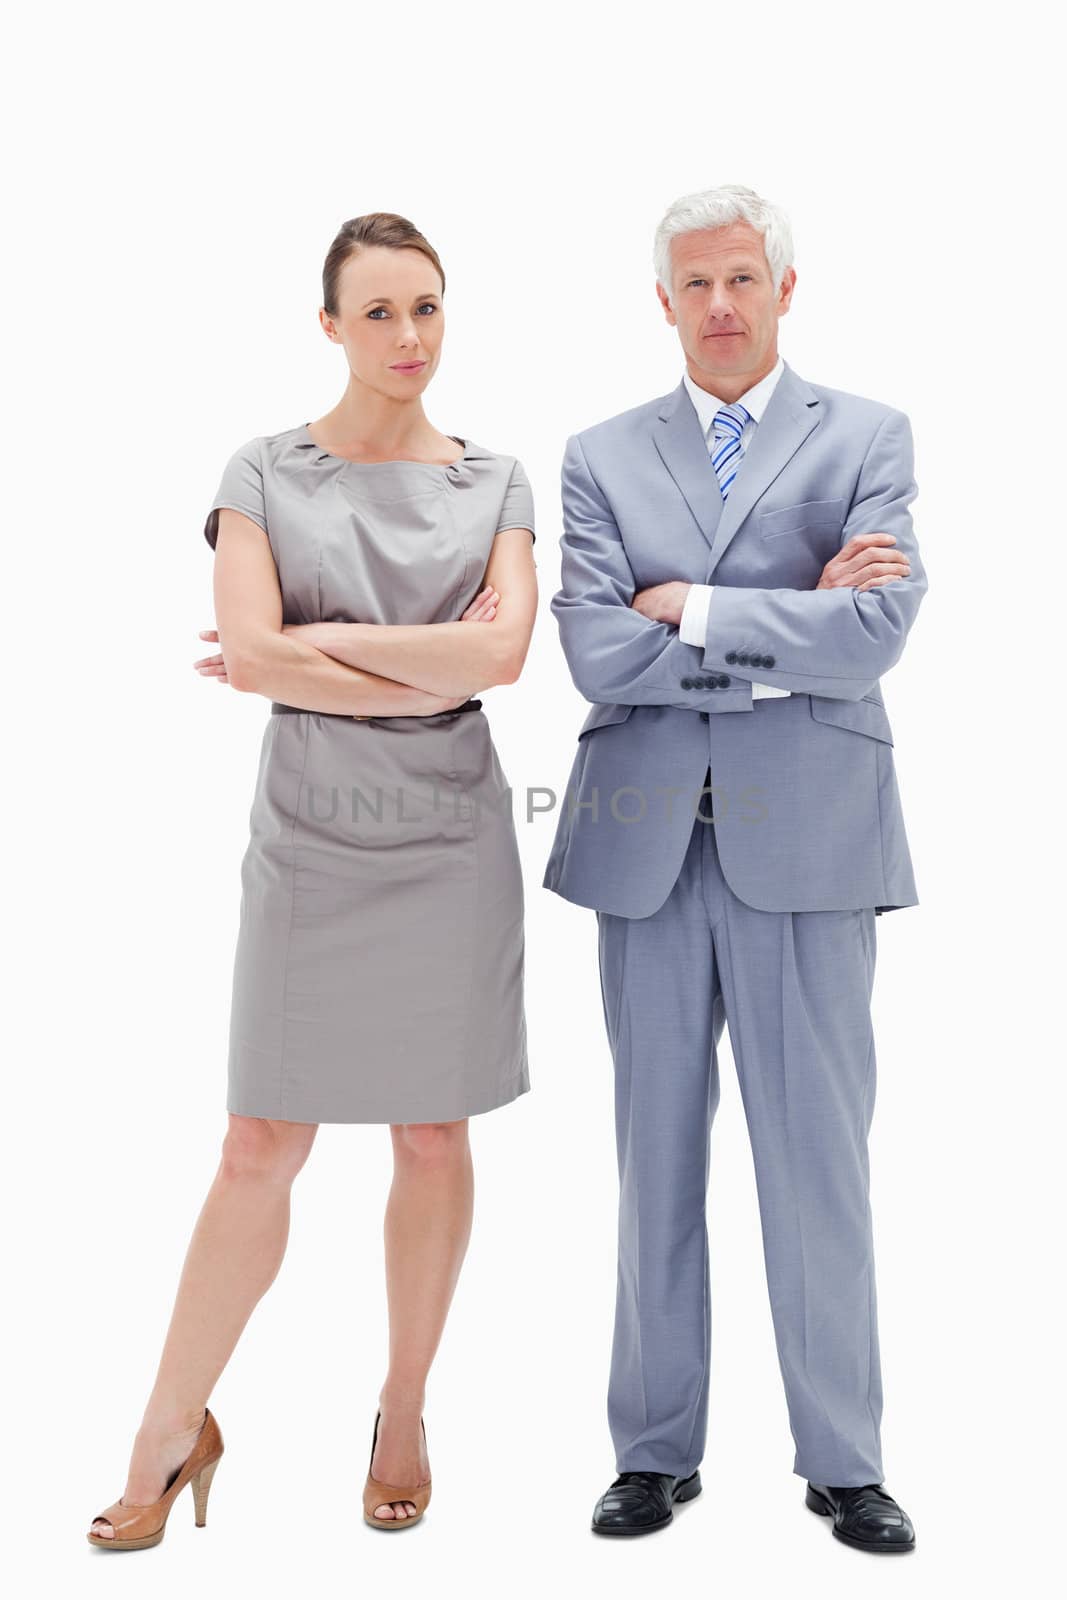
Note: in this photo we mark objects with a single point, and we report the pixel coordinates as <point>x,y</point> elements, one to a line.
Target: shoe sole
<point>688,1489</point>
<point>817,1504</point>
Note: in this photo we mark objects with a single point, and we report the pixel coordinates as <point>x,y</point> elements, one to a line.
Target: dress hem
<point>518,1087</point>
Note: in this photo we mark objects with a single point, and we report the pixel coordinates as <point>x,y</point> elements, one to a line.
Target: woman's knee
<point>430,1142</point>
<point>260,1147</point>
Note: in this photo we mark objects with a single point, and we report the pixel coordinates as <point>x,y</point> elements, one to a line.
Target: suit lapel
<point>792,412</point>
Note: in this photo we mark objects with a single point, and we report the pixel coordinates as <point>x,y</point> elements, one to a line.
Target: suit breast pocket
<point>823,516</point>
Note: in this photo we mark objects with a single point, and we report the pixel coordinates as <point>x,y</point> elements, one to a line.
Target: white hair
<point>717,208</point>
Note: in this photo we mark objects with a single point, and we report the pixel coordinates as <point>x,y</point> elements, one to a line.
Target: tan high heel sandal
<point>138,1527</point>
<point>376,1493</point>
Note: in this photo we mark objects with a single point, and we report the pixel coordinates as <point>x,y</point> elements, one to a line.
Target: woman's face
<point>390,319</point>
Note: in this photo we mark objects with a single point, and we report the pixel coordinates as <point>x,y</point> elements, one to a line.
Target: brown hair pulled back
<point>383,228</point>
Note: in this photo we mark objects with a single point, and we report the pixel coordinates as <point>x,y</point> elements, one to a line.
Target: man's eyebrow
<point>384,300</point>
<point>736,266</point>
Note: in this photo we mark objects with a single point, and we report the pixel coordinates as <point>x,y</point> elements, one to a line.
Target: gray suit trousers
<point>794,989</point>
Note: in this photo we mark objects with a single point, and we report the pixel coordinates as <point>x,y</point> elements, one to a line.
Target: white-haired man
<point>739,570</point>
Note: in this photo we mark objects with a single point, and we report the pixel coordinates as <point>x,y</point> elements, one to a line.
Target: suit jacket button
<point>768,661</point>
<point>687,683</point>
<point>730,658</point>
<point>741,658</point>
<point>724,682</point>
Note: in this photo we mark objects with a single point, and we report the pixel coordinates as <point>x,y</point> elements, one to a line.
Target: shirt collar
<point>754,402</point>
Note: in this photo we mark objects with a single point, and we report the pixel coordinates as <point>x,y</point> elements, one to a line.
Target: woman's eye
<point>427,305</point>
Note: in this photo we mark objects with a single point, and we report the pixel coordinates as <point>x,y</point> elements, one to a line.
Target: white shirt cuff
<point>693,627</point>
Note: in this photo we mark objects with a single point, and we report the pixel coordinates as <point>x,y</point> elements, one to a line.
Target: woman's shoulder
<point>295,442</point>
<point>294,447</point>
<point>504,460</point>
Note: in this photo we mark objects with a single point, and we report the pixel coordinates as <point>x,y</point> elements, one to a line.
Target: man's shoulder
<point>624,425</point>
<point>856,408</point>
<point>626,429</point>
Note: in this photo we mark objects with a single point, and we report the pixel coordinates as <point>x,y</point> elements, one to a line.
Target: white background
<point>175,178</point>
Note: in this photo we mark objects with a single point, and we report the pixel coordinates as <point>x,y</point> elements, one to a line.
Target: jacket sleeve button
<point>730,658</point>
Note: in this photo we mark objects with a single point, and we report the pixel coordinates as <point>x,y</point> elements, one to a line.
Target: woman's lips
<point>408,366</point>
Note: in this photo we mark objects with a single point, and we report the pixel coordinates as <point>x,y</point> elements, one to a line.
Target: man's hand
<point>663,602</point>
<point>862,563</point>
<point>865,562</point>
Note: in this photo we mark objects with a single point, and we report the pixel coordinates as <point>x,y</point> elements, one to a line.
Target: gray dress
<point>378,975</point>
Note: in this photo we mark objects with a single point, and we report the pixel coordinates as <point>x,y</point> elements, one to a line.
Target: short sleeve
<point>241,489</point>
<point>518,508</point>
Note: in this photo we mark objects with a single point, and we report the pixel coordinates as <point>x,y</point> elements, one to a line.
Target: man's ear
<point>664,300</point>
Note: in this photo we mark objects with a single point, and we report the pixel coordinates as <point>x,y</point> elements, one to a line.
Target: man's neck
<point>729,389</point>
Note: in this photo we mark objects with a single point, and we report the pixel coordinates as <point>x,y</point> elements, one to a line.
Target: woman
<point>371,575</point>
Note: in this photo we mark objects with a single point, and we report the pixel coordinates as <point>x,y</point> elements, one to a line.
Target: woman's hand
<point>211,666</point>
<point>481,609</point>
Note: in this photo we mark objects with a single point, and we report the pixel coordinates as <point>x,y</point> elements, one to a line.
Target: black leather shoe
<point>866,1517</point>
<point>641,1502</point>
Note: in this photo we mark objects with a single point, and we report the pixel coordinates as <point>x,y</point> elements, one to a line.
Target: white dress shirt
<point>694,622</point>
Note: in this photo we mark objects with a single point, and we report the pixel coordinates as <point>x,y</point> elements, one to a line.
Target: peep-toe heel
<point>140,1527</point>
<point>376,1493</point>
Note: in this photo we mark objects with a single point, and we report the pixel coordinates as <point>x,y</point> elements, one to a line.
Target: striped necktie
<point>728,425</point>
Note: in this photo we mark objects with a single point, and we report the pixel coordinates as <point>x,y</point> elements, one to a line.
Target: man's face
<point>725,307</point>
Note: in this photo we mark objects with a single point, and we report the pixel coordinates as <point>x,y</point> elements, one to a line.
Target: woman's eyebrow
<point>384,299</point>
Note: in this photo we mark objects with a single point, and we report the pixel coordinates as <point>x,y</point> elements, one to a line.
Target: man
<point>739,570</point>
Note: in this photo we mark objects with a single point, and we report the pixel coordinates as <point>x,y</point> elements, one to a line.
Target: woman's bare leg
<point>234,1255</point>
<point>427,1229</point>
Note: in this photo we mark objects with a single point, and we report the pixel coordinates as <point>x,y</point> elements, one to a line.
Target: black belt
<point>277,708</point>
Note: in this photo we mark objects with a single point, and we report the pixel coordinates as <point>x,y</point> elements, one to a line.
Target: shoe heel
<point>201,1483</point>
<point>815,1502</point>
<point>689,1490</point>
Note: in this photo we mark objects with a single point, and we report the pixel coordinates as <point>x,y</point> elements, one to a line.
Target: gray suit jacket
<point>807,811</point>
